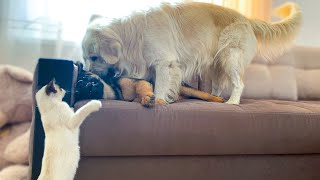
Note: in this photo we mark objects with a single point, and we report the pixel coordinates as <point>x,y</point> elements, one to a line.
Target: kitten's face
<point>53,89</point>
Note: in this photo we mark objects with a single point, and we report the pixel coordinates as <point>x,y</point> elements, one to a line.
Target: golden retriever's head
<point>101,47</point>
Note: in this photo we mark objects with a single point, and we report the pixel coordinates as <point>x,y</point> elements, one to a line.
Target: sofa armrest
<point>65,72</point>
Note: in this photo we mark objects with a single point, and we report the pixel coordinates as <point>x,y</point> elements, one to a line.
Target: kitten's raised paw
<point>148,101</point>
<point>95,104</point>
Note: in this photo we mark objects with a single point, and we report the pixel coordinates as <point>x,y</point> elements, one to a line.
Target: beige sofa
<point>274,134</point>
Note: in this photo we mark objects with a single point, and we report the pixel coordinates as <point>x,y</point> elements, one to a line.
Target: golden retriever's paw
<point>148,101</point>
<point>233,102</point>
<point>160,102</point>
<point>216,99</point>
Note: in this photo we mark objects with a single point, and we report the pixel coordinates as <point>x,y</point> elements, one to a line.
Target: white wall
<point>310,32</point>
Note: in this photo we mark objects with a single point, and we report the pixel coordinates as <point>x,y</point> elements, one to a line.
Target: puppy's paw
<point>148,101</point>
<point>95,105</point>
<point>216,99</point>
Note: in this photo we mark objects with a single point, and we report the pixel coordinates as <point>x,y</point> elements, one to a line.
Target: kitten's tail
<point>275,38</point>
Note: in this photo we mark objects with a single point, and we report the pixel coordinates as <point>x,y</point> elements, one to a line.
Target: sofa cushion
<point>307,64</point>
<point>292,76</point>
<point>265,80</point>
<point>193,127</point>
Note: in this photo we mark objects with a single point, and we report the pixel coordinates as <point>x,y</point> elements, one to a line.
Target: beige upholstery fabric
<point>194,127</point>
<point>307,63</point>
<point>293,76</point>
<point>267,167</point>
<point>193,139</point>
<point>270,82</point>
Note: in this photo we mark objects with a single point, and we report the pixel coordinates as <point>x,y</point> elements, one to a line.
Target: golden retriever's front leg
<point>216,89</point>
<point>168,81</point>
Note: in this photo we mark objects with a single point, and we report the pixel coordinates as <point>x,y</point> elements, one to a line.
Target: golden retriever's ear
<point>110,51</point>
<point>109,44</point>
<point>94,17</point>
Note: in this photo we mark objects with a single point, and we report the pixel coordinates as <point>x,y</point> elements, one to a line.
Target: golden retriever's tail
<point>275,38</point>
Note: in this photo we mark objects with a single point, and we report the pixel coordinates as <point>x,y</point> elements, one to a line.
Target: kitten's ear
<point>51,87</point>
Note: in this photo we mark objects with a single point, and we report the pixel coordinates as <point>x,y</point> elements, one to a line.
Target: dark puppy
<point>91,86</point>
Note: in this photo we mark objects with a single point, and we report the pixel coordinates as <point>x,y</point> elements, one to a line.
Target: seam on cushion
<point>307,69</point>
<point>272,82</point>
<point>239,112</point>
<point>256,112</point>
<point>272,155</point>
<point>241,108</point>
<point>243,111</point>
<point>290,65</point>
<point>298,107</point>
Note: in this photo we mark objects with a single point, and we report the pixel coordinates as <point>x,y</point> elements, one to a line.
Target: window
<point>67,20</point>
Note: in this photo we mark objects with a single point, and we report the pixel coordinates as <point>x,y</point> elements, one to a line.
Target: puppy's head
<point>102,47</point>
<point>89,85</point>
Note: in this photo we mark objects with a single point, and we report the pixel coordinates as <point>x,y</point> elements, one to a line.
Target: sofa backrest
<point>293,76</point>
<point>307,69</point>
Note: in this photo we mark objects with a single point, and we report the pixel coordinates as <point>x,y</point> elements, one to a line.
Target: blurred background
<point>30,29</point>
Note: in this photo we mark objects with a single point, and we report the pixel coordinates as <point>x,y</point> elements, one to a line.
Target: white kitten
<point>61,125</point>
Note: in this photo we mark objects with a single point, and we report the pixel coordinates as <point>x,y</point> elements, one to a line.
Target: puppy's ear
<point>80,67</point>
<point>110,51</point>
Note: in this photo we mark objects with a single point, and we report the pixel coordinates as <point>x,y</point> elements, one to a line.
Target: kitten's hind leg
<point>83,112</point>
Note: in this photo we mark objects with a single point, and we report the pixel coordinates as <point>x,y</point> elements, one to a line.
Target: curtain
<point>258,9</point>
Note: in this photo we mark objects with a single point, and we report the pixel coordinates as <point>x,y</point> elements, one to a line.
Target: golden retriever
<point>174,42</point>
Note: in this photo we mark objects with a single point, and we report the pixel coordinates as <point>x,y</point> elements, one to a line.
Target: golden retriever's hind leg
<point>240,45</point>
<point>234,71</point>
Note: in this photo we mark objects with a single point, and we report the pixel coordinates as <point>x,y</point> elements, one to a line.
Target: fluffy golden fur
<point>172,43</point>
